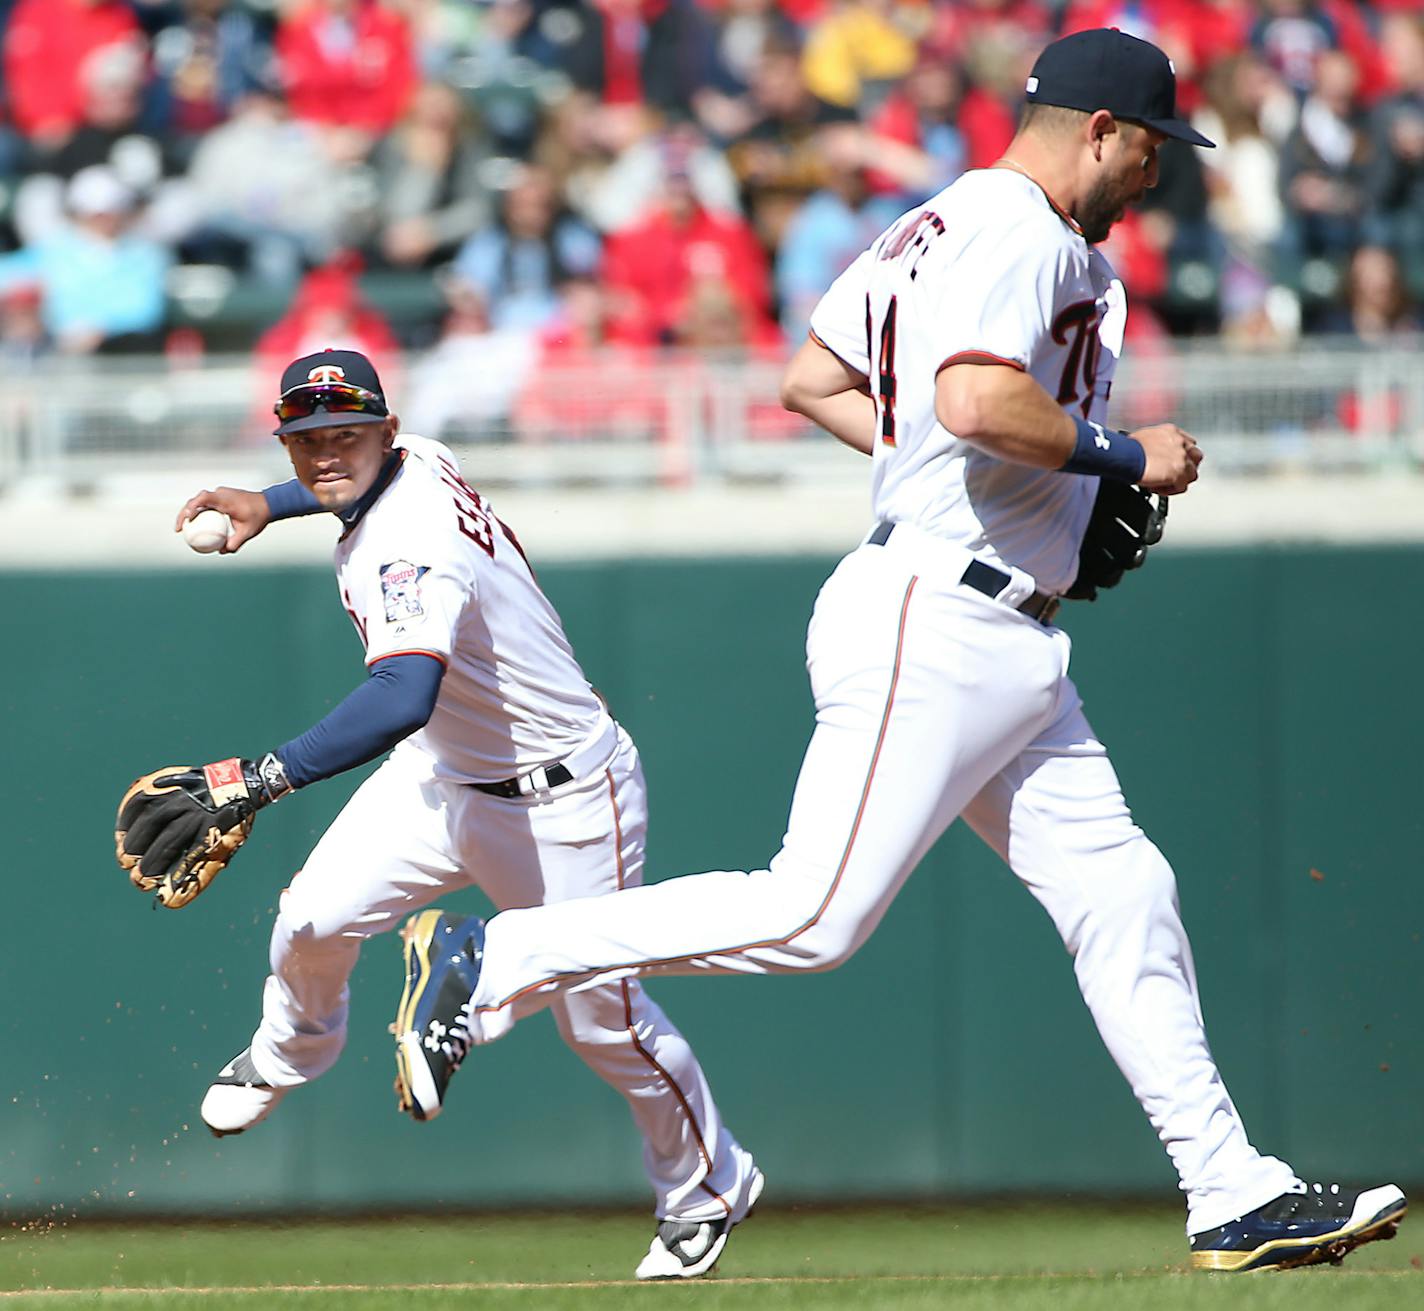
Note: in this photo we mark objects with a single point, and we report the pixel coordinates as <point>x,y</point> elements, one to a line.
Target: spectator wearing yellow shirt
<point>860,49</point>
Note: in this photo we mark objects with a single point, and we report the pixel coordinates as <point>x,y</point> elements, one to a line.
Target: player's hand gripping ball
<point>207,531</point>
<point>178,827</point>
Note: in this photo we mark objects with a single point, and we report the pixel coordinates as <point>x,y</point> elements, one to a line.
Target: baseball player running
<point>507,773</point>
<point>970,350</point>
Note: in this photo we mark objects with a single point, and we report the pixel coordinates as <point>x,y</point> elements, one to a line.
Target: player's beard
<point>1098,211</point>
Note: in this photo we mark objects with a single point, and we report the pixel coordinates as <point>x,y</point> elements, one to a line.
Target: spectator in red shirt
<point>587,385</point>
<point>46,45</point>
<point>348,65</point>
<point>651,267</point>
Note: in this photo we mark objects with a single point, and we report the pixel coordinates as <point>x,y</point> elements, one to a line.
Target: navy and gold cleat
<point>442,966</point>
<point>1319,1223</point>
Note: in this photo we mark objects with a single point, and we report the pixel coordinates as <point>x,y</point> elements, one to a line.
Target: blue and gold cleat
<point>1319,1223</point>
<point>442,966</point>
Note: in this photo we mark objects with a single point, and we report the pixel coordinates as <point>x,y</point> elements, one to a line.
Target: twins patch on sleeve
<point>400,590</point>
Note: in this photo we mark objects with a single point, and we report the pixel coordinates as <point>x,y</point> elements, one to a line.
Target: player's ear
<point>392,426</point>
<point>1101,125</point>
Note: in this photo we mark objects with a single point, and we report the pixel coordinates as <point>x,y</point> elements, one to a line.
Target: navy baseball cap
<point>1104,68</point>
<point>328,388</point>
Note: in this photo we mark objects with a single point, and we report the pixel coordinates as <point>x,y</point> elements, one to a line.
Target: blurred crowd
<point>610,178</point>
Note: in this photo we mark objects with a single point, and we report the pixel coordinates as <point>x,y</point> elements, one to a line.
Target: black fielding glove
<point>1124,523</point>
<point>178,827</point>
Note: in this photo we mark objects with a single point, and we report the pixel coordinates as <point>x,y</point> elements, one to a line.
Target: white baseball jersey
<point>934,701</point>
<point>988,270</point>
<point>430,569</point>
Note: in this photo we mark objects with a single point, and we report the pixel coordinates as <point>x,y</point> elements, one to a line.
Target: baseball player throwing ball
<point>507,773</point>
<point>970,351</point>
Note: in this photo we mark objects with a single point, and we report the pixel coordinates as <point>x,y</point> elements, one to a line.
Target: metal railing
<point>629,419</point>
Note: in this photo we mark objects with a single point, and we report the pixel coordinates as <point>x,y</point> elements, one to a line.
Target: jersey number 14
<point>1079,369</point>
<point>884,367</point>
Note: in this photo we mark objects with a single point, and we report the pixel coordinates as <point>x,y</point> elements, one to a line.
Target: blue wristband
<point>290,500</point>
<point>1107,453</point>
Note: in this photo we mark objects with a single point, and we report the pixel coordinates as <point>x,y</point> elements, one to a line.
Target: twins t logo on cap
<point>327,373</point>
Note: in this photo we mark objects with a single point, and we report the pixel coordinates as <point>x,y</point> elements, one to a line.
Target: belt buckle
<point>541,781</point>
<point>536,780</point>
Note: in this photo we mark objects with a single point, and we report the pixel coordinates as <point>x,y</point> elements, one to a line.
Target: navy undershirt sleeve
<point>390,705</point>
<point>289,500</point>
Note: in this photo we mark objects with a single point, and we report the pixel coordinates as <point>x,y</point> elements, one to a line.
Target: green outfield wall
<point>1265,712</point>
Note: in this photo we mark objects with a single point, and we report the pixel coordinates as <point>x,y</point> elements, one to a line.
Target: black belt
<point>984,578</point>
<point>526,785</point>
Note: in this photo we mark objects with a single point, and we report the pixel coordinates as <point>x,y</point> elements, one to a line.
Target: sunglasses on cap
<point>332,397</point>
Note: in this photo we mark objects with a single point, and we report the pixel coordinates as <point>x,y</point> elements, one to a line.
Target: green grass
<point>979,1258</point>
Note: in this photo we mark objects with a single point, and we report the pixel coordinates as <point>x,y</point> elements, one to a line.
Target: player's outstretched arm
<point>836,397</point>
<point>250,512</point>
<point>397,698</point>
<point>179,826</point>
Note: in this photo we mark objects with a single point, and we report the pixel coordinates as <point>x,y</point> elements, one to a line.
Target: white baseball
<point>207,530</point>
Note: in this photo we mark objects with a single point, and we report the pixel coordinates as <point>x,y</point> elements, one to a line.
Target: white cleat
<point>685,1249</point>
<point>239,1097</point>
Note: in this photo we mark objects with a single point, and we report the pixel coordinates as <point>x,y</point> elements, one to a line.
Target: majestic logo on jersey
<point>327,373</point>
<point>400,590</point>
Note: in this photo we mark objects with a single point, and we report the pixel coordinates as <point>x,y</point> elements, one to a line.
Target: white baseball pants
<point>407,838</point>
<point>932,701</point>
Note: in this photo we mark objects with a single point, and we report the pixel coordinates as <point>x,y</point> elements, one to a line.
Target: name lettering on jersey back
<point>906,243</point>
<point>471,517</point>
<point>1081,321</point>
<point>910,241</point>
